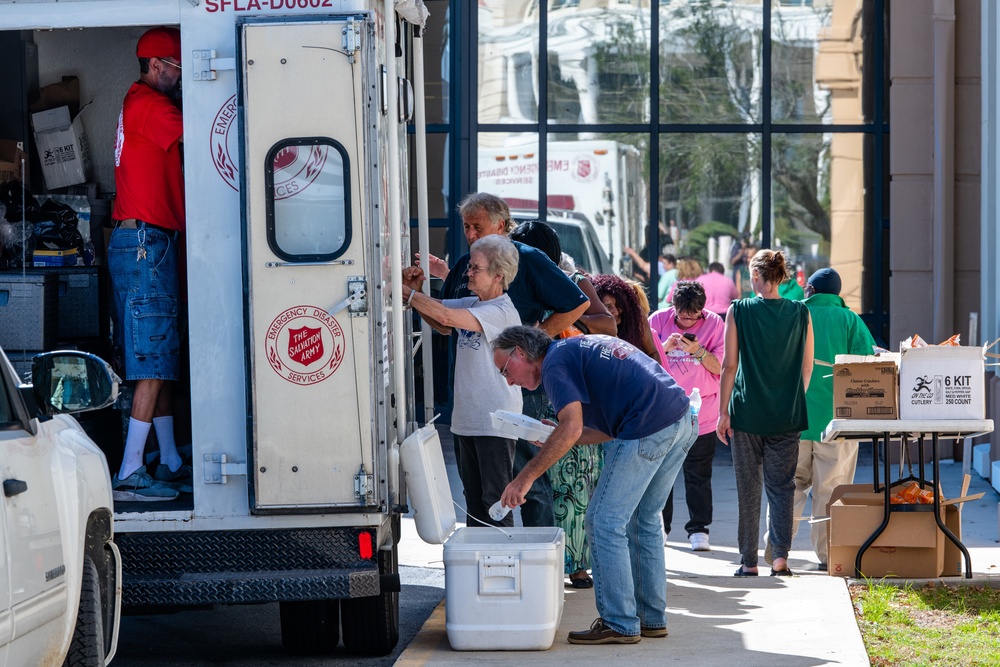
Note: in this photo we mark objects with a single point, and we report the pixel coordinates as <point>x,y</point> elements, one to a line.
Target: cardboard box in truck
<point>62,147</point>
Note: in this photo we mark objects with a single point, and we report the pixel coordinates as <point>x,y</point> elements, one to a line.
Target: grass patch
<point>932,625</point>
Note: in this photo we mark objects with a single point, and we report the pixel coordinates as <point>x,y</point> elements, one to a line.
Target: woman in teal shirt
<point>762,408</point>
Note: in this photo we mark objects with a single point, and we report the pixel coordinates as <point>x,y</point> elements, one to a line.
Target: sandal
<point>581,582</point>
<point>740,572</point>
<point>781,573</point>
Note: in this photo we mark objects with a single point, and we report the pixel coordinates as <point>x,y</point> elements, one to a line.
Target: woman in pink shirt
<point>693,340</point>
<point>720,290</point>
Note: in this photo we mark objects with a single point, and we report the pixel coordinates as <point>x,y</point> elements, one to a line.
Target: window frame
<point>272,241</point>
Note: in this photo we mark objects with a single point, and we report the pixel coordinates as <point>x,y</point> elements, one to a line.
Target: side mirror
<point>69,381</point>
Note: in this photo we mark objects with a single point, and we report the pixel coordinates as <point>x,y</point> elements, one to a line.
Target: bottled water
<point>498,511</point>
<point>695,400</point>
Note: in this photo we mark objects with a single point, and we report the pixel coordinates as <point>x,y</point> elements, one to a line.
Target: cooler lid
<point>427,485</point>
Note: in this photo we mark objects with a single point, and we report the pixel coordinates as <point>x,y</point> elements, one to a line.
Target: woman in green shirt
<point>762,409</point>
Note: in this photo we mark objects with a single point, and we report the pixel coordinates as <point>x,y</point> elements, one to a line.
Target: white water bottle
<point>498,511</point>
<point>695,400</point>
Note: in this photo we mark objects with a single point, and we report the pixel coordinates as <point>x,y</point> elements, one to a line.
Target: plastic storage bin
<point>79,301</point>
<point>503,588</point>
<point>28,311</point>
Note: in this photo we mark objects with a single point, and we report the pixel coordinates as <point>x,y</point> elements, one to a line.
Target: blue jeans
<point>144,279</point>
<point>623,526</point>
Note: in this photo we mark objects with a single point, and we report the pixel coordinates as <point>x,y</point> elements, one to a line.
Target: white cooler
<point>503,590</point>
<point>503,587</point>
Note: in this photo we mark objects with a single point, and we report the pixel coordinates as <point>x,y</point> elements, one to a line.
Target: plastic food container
<point>516,425</point>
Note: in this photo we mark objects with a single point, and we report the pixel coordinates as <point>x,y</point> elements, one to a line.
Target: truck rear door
<point>304,108</point>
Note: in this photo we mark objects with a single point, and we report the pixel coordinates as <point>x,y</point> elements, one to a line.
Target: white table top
<point>861,429</point>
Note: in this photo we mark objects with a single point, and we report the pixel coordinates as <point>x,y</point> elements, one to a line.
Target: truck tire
<point>86,649</point>
<point>310,627</point>
<point>371,625</point>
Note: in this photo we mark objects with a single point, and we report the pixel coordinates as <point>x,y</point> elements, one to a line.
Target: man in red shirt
<point>143,261</point>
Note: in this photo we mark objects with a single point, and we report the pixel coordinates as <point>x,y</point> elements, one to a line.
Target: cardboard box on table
<point>911,546</point>
<point>865,387</point>
<point>942,382</point>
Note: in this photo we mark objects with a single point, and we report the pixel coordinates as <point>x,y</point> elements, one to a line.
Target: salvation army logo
<point>296,168</point>
<point>304,345</point>
<point>224,143</point>
<point>584,169</point>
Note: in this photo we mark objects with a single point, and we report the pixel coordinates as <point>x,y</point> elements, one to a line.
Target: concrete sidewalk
<point>713,617</point>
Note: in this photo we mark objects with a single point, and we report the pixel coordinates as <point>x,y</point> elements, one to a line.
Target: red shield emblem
<point>305,345</point>
<point>584,168</point>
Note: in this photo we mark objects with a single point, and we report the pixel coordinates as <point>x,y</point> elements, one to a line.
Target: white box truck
<point>300,368</point>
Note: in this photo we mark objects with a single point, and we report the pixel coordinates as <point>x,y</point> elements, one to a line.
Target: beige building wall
<point>912,162</point>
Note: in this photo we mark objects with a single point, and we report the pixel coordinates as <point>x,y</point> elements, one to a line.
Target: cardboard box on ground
<point>911,546</point>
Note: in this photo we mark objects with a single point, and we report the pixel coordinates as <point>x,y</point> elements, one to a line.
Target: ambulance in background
<point>596,182</point>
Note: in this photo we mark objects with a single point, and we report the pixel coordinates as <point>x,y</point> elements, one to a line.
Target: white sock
<point>168,446</point>
<point>135,445</point>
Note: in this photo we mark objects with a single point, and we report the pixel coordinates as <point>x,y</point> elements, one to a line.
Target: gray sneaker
<point>180,479</point>
<point>139,486</point>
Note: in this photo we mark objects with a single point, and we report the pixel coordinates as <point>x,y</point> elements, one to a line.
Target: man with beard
<point>143,257</point>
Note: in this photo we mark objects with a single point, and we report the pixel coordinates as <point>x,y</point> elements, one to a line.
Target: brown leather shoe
<point>653,632</point>
<point>599,633</point>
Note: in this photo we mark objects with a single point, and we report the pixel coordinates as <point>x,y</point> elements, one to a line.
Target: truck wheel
<point>86,649</point>
<point>371,625</point>
<point>309,627</point>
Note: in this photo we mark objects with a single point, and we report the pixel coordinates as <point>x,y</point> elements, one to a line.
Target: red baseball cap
<point>160,43</point>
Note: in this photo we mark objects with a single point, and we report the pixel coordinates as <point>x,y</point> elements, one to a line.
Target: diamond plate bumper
<point>237,567</point>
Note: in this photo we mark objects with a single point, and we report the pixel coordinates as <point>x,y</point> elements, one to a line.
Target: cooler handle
<point>499,575</point>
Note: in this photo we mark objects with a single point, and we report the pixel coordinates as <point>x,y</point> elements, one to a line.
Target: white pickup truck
<point>60,572</point>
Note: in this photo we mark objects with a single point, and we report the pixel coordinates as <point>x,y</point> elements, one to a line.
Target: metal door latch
<point>351,39</point>
<point>364,484</point>
<point>216,468</point>
<point>357,298</point>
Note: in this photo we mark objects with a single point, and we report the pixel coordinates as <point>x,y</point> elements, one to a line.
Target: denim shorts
<point>144,280</point>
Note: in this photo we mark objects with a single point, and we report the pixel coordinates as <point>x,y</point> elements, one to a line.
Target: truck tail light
<point>365,547</point>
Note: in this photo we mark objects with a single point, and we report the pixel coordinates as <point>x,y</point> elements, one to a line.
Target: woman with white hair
<point>486,458</point>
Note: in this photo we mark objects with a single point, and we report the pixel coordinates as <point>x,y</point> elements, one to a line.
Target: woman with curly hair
<point>623,304</point>
<point>574,476</point>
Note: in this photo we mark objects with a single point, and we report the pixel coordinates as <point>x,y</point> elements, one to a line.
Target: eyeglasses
<point>473,269</point>
<point>503,371</point>
<point>164,60</point>
<point>689,318</point>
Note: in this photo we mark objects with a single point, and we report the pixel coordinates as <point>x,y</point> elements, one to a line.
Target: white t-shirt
<point>479,387</point>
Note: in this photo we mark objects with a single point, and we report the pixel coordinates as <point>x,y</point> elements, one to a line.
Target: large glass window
<point>308,199</point>
<point>710,62</point>
<point>733,124</point>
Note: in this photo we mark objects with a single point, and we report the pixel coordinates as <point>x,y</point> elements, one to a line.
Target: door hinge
<point>206,64</point>
<point>364,486</point>
<point>216,468</point>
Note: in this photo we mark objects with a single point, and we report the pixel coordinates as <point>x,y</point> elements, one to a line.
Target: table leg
<point>937,508</point>
<point>885,490</point>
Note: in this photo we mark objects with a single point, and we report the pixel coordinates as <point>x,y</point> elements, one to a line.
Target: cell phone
<point>689,336</point>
